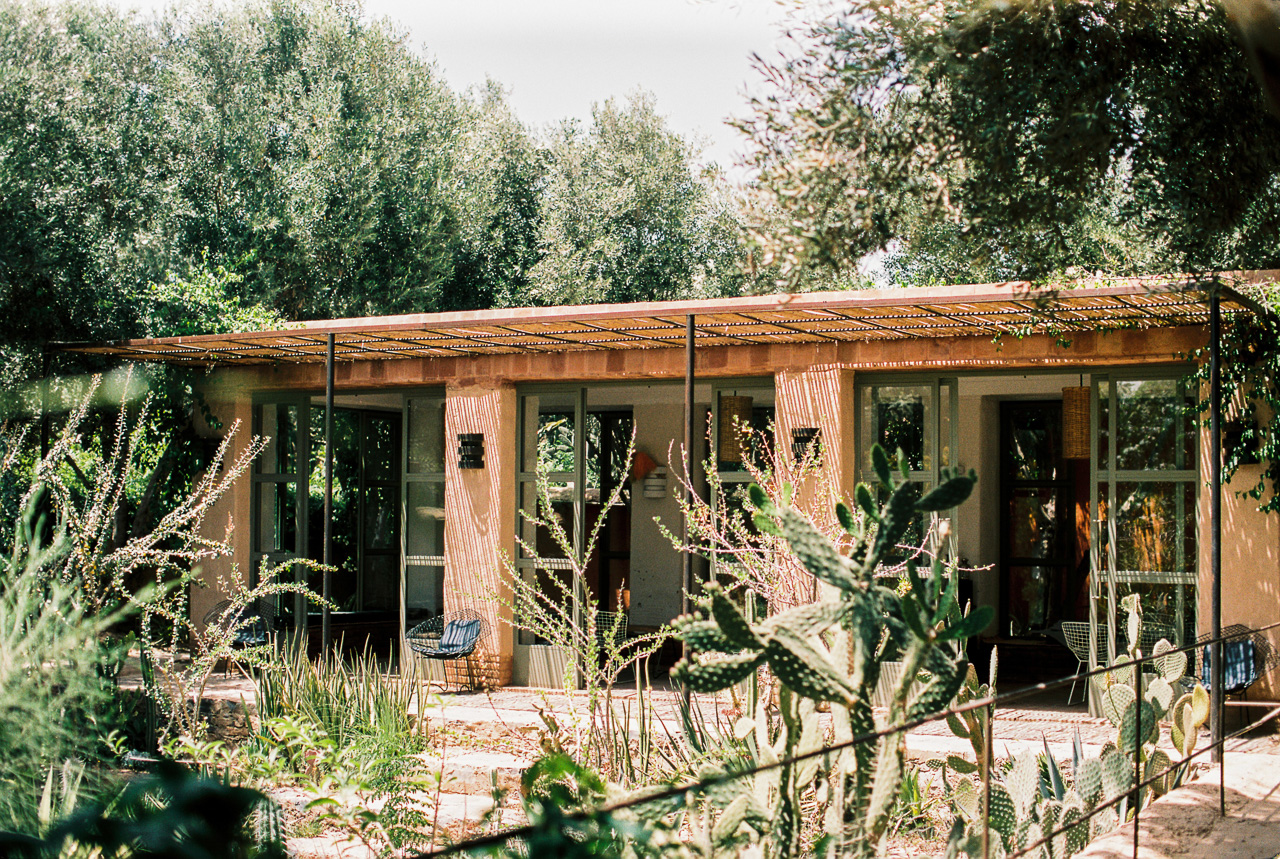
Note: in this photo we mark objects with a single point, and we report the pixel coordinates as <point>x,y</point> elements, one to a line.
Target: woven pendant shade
<point>1075,423</point>
<point>735,414</point>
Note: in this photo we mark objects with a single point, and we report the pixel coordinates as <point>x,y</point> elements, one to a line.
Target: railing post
<point>1137,756</point>
<point>326,587</point>
<point>986,764</point>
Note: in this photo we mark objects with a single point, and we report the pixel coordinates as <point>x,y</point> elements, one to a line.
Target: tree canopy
<point>292,160</point>
<point>985,141</point>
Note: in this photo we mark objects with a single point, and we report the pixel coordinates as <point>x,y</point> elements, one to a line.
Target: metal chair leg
<point>1071,694</point>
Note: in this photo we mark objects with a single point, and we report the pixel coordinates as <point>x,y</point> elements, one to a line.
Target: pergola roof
<point>954,311</point>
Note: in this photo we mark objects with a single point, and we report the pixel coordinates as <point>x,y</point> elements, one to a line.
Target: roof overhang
<point>989,310</point>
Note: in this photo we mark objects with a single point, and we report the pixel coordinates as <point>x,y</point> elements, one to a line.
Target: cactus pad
<point>1088,780</point>
<point>816,552</point>
<point>716,673</point>
<point>1160,693</point>
<point>1116,700</point>
<point>807,620</point>
<point>702,635</point>
<point>733,626</point>
<point>1171,666</point>
<point>1023,783</point>
<point>801,668</point>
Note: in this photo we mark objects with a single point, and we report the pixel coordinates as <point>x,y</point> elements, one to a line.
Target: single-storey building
<point>444,420</point>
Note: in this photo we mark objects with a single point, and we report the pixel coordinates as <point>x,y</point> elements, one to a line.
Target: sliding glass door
<point>422,488</point>
<point>280,494</point>
<point>916,422</point>
<point>1145,484</point>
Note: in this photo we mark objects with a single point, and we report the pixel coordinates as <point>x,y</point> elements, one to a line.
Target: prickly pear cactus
<point>1035,799</point>
<point>1137,721</point>
<point>830,652</point>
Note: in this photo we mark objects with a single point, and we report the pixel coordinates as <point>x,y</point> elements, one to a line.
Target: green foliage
<point>1250,364</point>
<point>1131,139</point>
<point>203,302</point>
<point>627,217</point>
<point>554,603</point>
<point>55,684</point>
<point>174,814</point>
<point>349,699</point>
<point>229,167</point>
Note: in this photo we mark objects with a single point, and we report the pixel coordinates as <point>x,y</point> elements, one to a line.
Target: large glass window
<point>914,422</point>
<point>425,450</point>
<point>279,499</point>
<point>1146,476</point>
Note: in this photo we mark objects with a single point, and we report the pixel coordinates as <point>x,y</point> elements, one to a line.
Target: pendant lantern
<point>735,416</point>
<point>1075,423</point>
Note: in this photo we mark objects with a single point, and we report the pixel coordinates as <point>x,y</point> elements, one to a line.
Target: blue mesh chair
<point>1240,666</point>
<point>450,637</point>
<point>1247,655</point>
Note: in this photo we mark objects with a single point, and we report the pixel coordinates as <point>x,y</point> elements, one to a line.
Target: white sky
<point>558,57</point>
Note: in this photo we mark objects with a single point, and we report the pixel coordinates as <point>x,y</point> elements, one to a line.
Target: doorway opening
<point>365,582</point>
<point>1043,568</point>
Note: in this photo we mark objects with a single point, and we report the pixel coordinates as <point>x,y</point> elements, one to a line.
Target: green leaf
<point>911,615</point>
<point>718,673</point>
<point>1115,701</point>
<point>949,599</point>
<point>732,624</point>
<point>1056,783</point>
<point>815,551</point>
<point>862,493</point>
<point>1199,705</point>
<point>759,498</point>
<point>898,515</point>
<point>940,691</point>
<point>807,620</point>
<point>845,517</point>
<point>767,524</point>
<point>702,635</point>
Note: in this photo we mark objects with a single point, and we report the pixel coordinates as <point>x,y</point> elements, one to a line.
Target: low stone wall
<point>227,720</point>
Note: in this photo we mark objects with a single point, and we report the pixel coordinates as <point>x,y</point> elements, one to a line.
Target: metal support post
<point>1215,520</point>
<point>687,559</point>
<point>327,587</point>
<point>1137,758</point>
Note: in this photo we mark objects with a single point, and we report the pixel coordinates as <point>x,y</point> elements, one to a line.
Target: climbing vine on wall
<point>1250,362</point>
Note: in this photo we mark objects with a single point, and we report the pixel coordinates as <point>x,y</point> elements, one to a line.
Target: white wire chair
<point>1077,635</point>
<point>611,627</point>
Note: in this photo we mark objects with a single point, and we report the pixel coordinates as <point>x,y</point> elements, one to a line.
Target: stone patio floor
<point>1185,823</point>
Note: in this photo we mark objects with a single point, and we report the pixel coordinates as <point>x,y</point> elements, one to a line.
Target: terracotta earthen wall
<point>231,510</point>
<point>480,517</point>
<point>1250,564</point>
<point>823,397</point>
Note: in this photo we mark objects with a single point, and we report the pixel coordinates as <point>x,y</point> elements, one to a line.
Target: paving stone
<point>474,772</point>
<point>1186,823</point>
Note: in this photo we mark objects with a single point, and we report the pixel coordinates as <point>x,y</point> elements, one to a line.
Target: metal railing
<point>986,767</point>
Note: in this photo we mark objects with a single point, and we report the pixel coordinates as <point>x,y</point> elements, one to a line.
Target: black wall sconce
<point>804,440</point>
<point>470,450</point>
